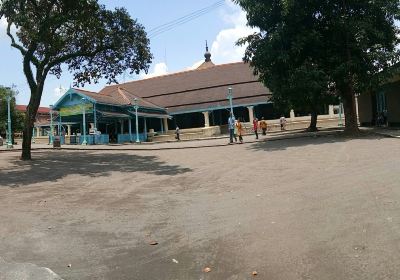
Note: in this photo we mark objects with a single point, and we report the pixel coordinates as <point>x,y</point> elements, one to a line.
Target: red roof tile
<point>41,110</point>
<point>183,90</point>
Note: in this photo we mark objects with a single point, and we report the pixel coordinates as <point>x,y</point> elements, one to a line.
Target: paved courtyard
<point>324,208</point>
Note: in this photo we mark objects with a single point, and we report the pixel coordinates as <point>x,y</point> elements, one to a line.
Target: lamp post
<point>51,125</point>
<point>33,135</point>
<point>9,136</point>
<point>340,112</point>
<point>136,107</point>
<point>230,95</point>
<point>84,142</point>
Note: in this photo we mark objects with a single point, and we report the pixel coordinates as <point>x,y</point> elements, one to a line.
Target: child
<point>263,125</point>
<point>177,133</point>
<point>282,121</point>
<point>255,127</point>
<point>239,127</point>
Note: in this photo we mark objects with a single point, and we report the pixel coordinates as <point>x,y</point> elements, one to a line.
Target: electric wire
<point>182,20</point>
<point>188,16</point>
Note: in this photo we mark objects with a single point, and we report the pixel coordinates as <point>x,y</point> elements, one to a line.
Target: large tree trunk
<point>350,112</point>
<point>313,123</point>
<point>30,117</point>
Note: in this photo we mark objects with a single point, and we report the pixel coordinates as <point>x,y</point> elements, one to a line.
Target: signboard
<point>75,110</point>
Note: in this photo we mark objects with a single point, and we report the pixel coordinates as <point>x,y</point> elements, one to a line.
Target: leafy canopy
<point>344,42</point>
<point>93,42</point>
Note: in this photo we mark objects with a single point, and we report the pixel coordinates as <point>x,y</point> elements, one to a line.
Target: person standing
<point>177,136</point>
<point>231,126</point>
<point>255,127</point>
<point>282,121</point>
<point>263,125</point>
<point>235,133</point>
<point>239,127</point>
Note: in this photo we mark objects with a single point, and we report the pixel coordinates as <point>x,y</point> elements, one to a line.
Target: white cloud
<point>223,48</point>
<point>3,26</point>
<point>159,70</point>
<point>59,91</point>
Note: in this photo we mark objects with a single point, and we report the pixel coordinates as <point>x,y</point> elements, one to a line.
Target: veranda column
<point>358,119</point>
<point>331,111</point>
<point>130,129</point>
<point>292,115</point>
<point>69,130</point>
<point>165,120</point>
<point>145,129</point>
<point>122,126</point>
<point>251,113</point>
<point>206,119</point>
<point>38,132</point>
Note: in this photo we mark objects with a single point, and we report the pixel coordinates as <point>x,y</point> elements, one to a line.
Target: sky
<point>179,49</point>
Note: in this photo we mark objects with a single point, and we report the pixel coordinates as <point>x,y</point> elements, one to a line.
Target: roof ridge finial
<point>207,55</point>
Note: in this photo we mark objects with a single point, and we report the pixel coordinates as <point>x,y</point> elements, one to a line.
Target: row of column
<point>164,125</point>
<point>207,116</point>
<point>251,115</point>
<point>39,130</point>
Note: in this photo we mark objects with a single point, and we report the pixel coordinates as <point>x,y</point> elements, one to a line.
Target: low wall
<point>126,138</point>
<point>273,125</point>
<point>189,134</point>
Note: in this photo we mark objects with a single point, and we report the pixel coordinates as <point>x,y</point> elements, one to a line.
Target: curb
<point>275,138</point>
<point>385,134</point>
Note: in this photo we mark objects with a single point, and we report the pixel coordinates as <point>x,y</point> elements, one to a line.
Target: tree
<point>91,41</point>
<point>304,90</point>
<point>288,68</point>
<point>348,41</point>
<point>17,118</point>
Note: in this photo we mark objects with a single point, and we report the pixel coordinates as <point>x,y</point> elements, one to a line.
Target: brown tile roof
<point>188,90</point>
<point>215,105</point>
<point>206,64</point>
<point>106,99</point>
<point>41,110</point>
<point>118,96</point>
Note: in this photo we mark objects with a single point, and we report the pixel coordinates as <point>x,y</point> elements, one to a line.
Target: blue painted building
<point>109,118</point>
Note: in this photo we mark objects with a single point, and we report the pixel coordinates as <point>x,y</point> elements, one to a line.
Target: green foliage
<point>91,41</point>
<point>309,50</point>
<point>17,118</point>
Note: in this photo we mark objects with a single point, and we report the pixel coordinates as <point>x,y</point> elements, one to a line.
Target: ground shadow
<point>277,144</point>
<point>51,166</point>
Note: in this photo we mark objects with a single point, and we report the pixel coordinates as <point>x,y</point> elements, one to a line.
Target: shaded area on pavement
<point>274,145</point>
<point>51,166</point>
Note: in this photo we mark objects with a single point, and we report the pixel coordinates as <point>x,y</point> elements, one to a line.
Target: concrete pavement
<point>323,208</point>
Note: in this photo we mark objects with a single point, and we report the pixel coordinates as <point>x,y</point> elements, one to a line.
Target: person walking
<point>239,127</point>
<point>177,136</point>
<point>263,125</point>
<point>255,127</point>
<point>235,133</point>
<point>282,121</point>
<point>232,126</point>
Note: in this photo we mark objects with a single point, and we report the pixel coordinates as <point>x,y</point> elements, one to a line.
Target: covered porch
<point>84,118</point>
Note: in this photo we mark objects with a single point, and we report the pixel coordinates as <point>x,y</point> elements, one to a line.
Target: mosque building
<point>194,100</point>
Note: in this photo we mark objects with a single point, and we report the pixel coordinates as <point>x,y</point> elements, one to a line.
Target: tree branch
<point>74,55</point>
<point>27,68</point>
<point>23,51</point>
<point>13,42</point>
